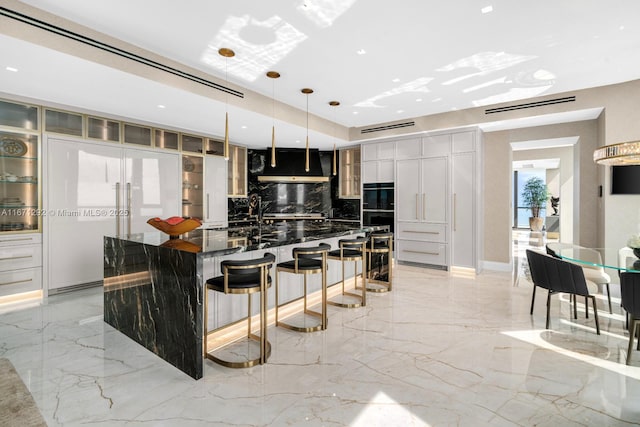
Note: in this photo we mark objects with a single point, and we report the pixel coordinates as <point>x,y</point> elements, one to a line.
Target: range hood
<point>290,164</point>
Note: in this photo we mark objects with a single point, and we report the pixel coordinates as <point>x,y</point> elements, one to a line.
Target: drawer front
<point>16,257</point>
<point>20,239</point>
<point>425,232</point>
<point>18,281</point>
<point>421,252</point>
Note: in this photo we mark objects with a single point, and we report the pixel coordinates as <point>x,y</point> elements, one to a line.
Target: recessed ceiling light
<point>161,106</point>
<point>487,9</point>
<point>396,80</point>
<point>355,112</point>
<point>297,141</point>
<point>621,27</point>
<point>419,100</point>
<point>436,99</point>
<point>361,51</point>
<point>400,111</point>
<point>243,127</point>
<point>15,70</point>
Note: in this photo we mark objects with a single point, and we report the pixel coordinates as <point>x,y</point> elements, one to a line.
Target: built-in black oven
<point>378,204</point>
<point>378,196</point>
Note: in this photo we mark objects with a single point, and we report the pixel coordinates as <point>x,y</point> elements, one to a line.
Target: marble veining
<point>154,293</point>
<point>150,296</point>
<point>441,349</point>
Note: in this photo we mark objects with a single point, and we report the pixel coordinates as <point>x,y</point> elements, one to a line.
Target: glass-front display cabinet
<point>192,183</point>
<point>237,171</point>
<point>19,198</point>
<point>350,173</point>
<point>19,168</point>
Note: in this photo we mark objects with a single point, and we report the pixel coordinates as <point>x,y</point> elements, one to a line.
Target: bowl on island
<point>175,226</point>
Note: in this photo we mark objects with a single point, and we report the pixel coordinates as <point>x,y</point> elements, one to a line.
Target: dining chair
<point>630,301</point>
<point>623,254</point>
<point>559,276</point>
<point>593,272</point>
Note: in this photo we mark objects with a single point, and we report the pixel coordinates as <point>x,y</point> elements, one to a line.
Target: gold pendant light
<point>335,168</point>
<point>227,53</point>
<point>273,75</point>
<point>307,91</point>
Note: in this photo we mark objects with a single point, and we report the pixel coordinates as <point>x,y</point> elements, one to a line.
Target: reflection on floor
<point>439,349</point>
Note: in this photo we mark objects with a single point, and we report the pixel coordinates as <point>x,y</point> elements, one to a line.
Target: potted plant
<point>535,196</point>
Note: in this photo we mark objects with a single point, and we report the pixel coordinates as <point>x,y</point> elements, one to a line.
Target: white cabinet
<point>215,187</point>
<point>464,203</point>
<point>409,148</point>
<point>20,264</point>
<point>378,162</point>
<point>422,210</point>
<point>378,151</point>
<point>377,171</point>
<point>97,189</point>
<point>438,201</point>
<point>422,190</point>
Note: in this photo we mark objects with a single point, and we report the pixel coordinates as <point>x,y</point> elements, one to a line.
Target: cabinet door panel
<point>462,215</point>
<point>463,142</point>
<point>435,145</point>
<point>82,182</point>
<point>152,187</point>
<point>369,172</point>
<point>408,149</point>
<point>386,150</point>
<point>422,252</point>
<point>408,190</point>
<point>215,202</point>
<point>433,197</point>
<point>385,171</point>
<point>369,152</point>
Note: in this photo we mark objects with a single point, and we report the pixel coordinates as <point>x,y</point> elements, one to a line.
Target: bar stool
<point>380,243</point>
<point>351,250</point>
<point>243,277</point>
<point>305,261</point>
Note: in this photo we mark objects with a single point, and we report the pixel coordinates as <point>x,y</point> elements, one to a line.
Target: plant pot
<point>636,252</point>
<point>536,223</point>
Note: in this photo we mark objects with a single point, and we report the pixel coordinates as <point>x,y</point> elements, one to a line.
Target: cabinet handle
<point>454,211</point>
<point>422,232</point>
<point>117,209</point>
<point>16,257</point>
<point>417,204</point>
<point>15,282</point>
<point>424,206</point>
<point>421,252</point>
<point>128,208</point>
<point>207,215</point>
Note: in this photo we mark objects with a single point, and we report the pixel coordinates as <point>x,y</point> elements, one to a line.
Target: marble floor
<point>441,349</point>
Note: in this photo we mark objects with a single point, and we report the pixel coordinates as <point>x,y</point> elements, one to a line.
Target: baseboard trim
<point>497,266</point>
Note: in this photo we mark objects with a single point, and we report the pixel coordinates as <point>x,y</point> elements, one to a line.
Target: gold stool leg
<point>205,326</point>
<point>277,303</point>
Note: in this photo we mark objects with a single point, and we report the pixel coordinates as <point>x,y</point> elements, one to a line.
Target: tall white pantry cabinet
<point>95,189</point>
<point>438,181</point>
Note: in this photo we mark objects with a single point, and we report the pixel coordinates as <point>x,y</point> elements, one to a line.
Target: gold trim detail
<point>624,153</point>
<point>265,178</point>
<point>226,52</point>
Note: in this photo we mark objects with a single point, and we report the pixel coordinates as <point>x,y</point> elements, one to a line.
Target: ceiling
<point>383,61</point>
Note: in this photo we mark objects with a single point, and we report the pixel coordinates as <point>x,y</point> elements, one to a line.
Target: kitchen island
<point>153,285</point>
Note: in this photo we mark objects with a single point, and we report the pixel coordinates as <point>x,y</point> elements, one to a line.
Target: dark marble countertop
<point>250,238</point>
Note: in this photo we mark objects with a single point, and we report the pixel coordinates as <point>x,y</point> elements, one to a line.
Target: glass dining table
<point>616,259</point>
